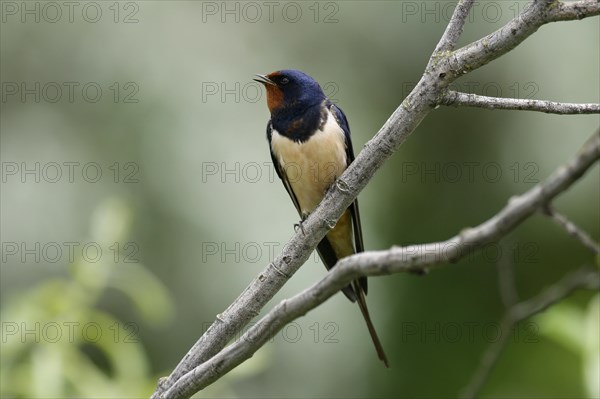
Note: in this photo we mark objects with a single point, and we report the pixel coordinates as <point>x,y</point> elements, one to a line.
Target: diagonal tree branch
<point>457,99</point>
<point>424,97</point>
<point>583,278</point>
<point>395,260</point>
<point>568,11</point>
<point>498,43</point>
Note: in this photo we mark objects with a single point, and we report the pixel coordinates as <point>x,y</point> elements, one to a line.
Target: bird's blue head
<point>290,88</point>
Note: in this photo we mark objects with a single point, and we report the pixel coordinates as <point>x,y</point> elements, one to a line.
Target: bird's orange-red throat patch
<point>274,94</point>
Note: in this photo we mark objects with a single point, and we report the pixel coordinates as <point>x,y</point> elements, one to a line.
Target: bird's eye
<point>284,81</point>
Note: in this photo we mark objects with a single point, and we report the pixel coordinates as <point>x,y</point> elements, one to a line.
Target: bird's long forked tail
<point>362,304</point>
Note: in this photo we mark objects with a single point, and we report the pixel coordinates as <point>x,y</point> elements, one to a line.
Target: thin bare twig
<point>572,229</point>
<point>457,99</point>
<point>583,278</point>
<point>454,28</point>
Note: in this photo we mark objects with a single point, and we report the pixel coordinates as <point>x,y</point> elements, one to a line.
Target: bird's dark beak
<point>264,80</point>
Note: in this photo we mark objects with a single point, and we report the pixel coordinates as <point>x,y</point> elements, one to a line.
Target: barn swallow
<point>309,140</point>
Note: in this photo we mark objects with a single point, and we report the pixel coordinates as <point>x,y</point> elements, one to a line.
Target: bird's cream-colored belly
<point>311,167</point>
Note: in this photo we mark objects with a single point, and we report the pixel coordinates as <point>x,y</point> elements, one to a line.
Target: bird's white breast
<point>313,165</point>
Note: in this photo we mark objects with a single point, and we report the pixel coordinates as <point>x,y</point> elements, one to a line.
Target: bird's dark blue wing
<point>340,117</point>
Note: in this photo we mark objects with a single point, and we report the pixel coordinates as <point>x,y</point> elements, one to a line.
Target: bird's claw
<point>300,225</point>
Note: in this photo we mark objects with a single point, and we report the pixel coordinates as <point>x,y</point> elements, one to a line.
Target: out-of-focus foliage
<point>578,331</point>
<point>188,202</point>
<point>57,342</point>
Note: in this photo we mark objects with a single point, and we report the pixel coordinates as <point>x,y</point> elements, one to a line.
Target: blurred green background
<point>138,198</point>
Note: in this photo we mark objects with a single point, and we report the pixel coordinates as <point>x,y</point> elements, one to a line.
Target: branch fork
<point>210,358</point>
